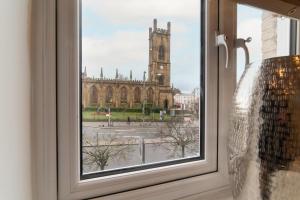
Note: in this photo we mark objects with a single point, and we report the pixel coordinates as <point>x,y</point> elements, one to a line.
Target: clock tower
<point>159,54</point>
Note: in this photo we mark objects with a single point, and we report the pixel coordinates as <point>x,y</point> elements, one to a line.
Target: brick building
<point>123,92</point>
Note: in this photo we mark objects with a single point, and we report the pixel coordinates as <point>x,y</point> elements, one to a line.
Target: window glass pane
<point>270,35</point>
<point>140,84</point>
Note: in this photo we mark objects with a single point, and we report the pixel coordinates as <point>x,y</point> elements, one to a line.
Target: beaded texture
<point>264,139</point>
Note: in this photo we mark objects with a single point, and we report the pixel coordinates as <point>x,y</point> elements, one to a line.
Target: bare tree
<point>180,134</point>
<point>107,147</point>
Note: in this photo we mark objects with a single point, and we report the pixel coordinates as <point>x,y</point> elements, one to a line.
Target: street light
<point>144,99</point>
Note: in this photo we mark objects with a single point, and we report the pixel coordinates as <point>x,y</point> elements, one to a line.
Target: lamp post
<point>145,96</point>
<point>142,149</point>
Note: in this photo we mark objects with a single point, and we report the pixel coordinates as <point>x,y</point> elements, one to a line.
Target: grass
<point>121,116</point>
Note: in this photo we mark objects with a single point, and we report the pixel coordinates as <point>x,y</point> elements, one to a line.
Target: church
<point>155,90</point>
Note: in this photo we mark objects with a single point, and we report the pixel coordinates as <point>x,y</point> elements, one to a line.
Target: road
<point>155,150</point>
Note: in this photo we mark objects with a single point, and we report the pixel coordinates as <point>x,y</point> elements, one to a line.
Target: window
<point>161,54</point>
<point>109,94</point>
<point>150,95</point>
<point>93,95</point>
<point>161,80</point>
<point>113,146</point>
<point>149,129</point>
<point>57,41</point>
<point>271,35</point>
<point>137,95</point>
<point>123,95</point>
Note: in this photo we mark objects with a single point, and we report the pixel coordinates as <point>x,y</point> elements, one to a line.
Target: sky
<point>249,25</point>
<point>249,20</point>
<point>115,34</point>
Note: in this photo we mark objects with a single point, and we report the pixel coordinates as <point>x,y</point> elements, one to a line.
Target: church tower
<point>159,54</point>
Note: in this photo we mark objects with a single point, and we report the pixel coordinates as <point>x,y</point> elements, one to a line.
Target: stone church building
<point>154,90</point>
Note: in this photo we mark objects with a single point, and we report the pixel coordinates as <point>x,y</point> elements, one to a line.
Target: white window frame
<point>207,175</point>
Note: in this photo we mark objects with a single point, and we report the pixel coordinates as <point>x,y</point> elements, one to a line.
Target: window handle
<point>221,40</point>
<point>241,43</point>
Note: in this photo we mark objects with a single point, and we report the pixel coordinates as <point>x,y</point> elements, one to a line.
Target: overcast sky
<point>115,35</point>
<point>249,22</point>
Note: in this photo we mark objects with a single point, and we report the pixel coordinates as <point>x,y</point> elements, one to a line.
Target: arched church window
<point>93,95</point>
<point>150,94</point>
<point>161,52</point>
<point>137,95</point>
<point>123,95</point>
<point>109,94</point>
<point>161,80</point>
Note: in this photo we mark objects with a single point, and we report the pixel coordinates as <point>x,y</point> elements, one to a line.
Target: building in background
<point>188,101</point>
<point>124,92</point>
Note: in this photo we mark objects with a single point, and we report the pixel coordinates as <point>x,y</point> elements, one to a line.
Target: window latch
<point>221,40</point>
<point>241,43</point>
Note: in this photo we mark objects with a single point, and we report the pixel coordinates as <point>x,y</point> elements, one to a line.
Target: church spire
<point>101,73</point>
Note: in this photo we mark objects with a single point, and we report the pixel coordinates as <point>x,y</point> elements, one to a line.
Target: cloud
<point>128,50</point>
<point>116,36</point>
<point>249,28</point>
<point>252,28</point>
<point>141,12</point>
<point>123,49</point>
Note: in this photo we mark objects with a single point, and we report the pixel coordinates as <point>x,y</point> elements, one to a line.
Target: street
<point>155,149</point>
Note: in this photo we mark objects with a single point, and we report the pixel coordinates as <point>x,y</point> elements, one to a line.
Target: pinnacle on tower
<point>131,75</point>
<point>101,73</point>
<point>117,74</point>
<point>144,77</point>
<point>155,24</point>
<point>169,27</point>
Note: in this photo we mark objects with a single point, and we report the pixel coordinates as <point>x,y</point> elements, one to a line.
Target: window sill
<point>212,186</point>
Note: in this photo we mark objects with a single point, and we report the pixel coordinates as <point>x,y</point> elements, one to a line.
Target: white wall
<point>15,167</point>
